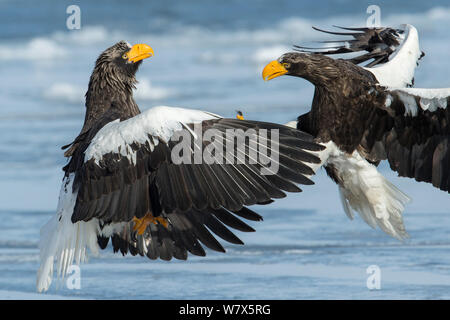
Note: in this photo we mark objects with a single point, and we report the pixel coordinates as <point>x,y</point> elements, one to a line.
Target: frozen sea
<point>208,55</point>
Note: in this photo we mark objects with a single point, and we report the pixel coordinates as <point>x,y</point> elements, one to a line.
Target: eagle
<point>122,182</point>
<point>366,114</point>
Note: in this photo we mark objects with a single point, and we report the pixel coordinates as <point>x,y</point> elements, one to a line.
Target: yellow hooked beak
<point>239,115</point>
<point>272,70</point>
<point>139,52</point>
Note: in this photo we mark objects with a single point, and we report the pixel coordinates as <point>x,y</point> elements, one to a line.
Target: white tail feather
<point>63,241</point>
<point>364,190</point>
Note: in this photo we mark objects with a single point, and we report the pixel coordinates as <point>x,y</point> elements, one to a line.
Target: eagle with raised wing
<point>122,182</point>
<point>364,115</point>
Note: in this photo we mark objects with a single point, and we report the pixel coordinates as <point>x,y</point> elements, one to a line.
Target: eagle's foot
<point>140,224</point>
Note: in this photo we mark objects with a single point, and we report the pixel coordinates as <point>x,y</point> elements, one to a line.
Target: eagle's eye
<point>286,65</point>
<point>124,56</point>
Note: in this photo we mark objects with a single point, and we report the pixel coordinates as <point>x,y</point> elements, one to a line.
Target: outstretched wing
<point>411,129</point>
<point>392,54</point>
<point>128,171</point>
<point>183,234</point>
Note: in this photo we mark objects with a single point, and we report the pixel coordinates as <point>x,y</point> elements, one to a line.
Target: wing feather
<point>411,129</point>
<point>392,54</point>
<point>125,171</point>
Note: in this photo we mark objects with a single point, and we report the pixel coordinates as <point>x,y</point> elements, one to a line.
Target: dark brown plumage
<point>111,84</point>
<point>342,91</point>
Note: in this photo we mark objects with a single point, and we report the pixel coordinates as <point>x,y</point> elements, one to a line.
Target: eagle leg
<point>140,225</point>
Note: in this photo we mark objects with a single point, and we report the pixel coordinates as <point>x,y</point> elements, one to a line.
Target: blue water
<point>208,55</point>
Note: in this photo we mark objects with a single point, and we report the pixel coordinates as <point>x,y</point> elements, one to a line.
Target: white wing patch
<point>399,71</point>
<point>428,99</point>
<point>292,124</point>
<point>158,123</point>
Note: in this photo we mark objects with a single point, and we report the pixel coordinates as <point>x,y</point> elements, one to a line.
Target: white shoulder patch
<point>399,71</point>
<point>158,123</point>
<point>426,99</point>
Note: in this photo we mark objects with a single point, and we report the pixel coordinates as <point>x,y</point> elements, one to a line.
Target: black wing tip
<point>377,41</point>
<point>337,33</point>
<point>249,214</point>
<point>66,146</point>
<point>363,29</point>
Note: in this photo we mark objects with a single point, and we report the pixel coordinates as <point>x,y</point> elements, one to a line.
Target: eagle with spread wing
<point>122,183</point>
<point>364,115</point>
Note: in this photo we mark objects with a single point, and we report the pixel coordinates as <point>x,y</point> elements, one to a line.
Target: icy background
<point>208,55</point>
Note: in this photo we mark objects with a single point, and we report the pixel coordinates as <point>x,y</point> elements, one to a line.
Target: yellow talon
<point>239,115</point>
<point>162,221</point>
<point>140,225</point>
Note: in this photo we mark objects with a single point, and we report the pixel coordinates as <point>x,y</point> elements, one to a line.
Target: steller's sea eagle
<point>121,182</point>
<point>367,114</point>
